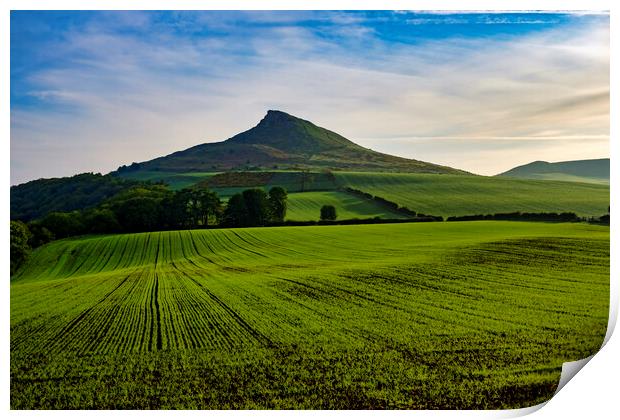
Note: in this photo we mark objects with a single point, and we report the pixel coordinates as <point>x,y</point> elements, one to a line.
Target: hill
<point>450,195</point>
<point>37,198</point>
<point>334,317</point>
<point>281,141</point>
<point>591,171</point>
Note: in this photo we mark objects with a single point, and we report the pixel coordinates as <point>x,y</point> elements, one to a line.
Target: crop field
<point>307,206</point>
<point>420,315</point>
<point>457,195</point>
<point>570,178</point>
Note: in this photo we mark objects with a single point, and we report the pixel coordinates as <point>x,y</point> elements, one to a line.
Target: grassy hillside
<point>450,195</point>
<point>590,170</point>
<point>559,176</point>
<point>436,315</point>
<point>307,206</point>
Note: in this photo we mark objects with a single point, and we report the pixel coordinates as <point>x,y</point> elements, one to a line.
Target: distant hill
<point>591,171</point>
<point>37,198</point>
<point>282,141</point>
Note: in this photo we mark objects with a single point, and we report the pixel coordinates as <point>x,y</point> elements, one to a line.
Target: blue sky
<point>478,91</point>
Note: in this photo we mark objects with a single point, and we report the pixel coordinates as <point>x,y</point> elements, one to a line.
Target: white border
<point>593,393</point>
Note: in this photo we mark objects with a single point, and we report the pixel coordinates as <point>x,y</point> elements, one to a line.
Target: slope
<point>307,206</point>
<point>450,195</point>
<point>591,171</point>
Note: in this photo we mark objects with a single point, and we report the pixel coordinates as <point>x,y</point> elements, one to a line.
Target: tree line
<point>254,207</point>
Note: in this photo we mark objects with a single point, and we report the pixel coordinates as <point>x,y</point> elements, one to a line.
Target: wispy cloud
<point>142,87</point>
<point>489,19</point>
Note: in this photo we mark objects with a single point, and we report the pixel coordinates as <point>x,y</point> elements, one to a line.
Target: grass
<point>457,195</point>
<point>429,315</point>
<point>552,176</point>
<point>307,206</point>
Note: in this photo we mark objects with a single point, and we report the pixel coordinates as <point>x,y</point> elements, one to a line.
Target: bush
<point>63,225</point>
<point>328,212</point>
<point>40,235</point>
<point>19,244</point>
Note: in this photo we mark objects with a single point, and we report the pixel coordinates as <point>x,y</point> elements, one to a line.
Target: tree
<point>328,212</point>
<point>138,214</point>
<point>63,225</point>
<point>40,235</point>
<point>208,206</point>
<point>257,207</point>
<point>187,209</point>
<point>138,209</point>
<point>19,244</point>
<point>101,220</point>
<point>191,208</point>
<point>173,213</point>
<point>277,203</point>
<point>236,212</point>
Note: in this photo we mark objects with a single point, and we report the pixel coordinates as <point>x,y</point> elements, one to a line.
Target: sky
<point>483,92</point>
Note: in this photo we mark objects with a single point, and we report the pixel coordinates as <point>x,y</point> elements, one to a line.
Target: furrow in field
<point>251,246</point>
<point>92,332</point>
<point>144,249</point>
<point>354,310</point>
<point>238,244</point>
<point>105,249</point>
<point>197,320</point>
<point>86,312</point>
<point>232,313</point>
<point>89,248</point>
<point>274,247</point>
<point>111,249</point>
<point>200,239</point>
<point>146,315</point>
<point>108,324</point>
<point>117,255</point>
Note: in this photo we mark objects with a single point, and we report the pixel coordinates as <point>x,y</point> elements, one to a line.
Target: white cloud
<point>128,98</point>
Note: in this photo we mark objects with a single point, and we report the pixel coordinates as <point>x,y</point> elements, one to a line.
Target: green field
<point>457,195</point>
<point>307,206</point>
<point>569,178</point>
<point>438,194</point>
<point>421,315</point>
